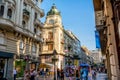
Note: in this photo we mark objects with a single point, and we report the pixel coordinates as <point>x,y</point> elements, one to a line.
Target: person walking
<point>93,74</point>
<point>62,75</point>
<point>84,73</point>
<point>15,73</point>
<point>58,74</point>
<point>26,75</point>
<point>77,75</point>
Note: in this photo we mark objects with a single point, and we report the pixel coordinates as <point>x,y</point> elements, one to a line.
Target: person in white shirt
<point>15,73</point>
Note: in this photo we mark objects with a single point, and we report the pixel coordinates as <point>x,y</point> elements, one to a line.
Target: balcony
<point>37,22</point>
<point>48,40</point>
<point>42,13</point>
<point>26,13</point>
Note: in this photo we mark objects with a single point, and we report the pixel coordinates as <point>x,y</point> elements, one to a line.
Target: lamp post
<point>54,60</point>
<point>69,61</point>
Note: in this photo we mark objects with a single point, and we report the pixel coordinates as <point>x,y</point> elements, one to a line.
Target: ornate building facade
<point>107,23</point>
<point>20,35</point>
<point>57,38</point>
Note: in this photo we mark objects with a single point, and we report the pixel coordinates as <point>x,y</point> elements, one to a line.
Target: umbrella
<point>84,64</point>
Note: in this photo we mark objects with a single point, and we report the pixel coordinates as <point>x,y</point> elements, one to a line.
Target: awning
<point>45,65</point>
<point>6,54</point>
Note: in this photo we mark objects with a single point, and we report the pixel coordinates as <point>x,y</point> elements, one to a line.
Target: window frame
<point>2,8</point>
<point>34,48</point>
<point>21,44</point>
<point>9,13</point>
<point>49,47</point>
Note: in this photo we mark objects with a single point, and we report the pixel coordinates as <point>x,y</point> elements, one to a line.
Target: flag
<point>97,38</point>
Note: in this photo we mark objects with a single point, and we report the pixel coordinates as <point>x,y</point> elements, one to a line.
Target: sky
<point>77,16</point>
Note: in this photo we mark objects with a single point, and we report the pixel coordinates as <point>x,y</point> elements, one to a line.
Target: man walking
<point>15,73</point>
<point>84,73</point>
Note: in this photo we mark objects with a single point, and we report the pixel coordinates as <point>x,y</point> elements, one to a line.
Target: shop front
<point>25,63</point>
<point>6,64</point>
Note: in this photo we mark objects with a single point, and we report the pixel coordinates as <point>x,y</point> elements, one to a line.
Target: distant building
<point>96,55</point>
<point>85,55</point>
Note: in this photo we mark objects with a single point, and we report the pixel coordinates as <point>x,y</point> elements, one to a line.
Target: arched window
<point>9,14</point>
<point>1,10</point>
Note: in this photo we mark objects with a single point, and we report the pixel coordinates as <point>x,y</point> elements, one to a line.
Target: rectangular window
<point>34,48</point>
<point>1,10</point>
<point>48,59</point>
<point>50,47</point>
<point>50,35</point>
<point>21,44</point>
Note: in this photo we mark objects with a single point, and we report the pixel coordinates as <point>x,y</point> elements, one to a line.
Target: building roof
<point>53,11</point>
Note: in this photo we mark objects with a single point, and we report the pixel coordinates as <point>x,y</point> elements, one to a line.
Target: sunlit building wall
<point>105,25</point>
<point>20,40</point>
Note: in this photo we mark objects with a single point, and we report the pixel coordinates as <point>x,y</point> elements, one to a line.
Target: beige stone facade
<point>20,35</point>
<point>105,26</point>
<point>57,38</point>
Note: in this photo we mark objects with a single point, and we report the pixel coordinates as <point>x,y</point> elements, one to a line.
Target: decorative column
<point>21,12</point>
<point>17,15</point>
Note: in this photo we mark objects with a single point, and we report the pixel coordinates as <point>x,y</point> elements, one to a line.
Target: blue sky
<point>77,16</point>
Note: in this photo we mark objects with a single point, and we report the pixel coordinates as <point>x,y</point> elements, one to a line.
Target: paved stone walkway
<point>99,76</point>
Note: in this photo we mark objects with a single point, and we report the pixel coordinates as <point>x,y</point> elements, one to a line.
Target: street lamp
<point>54,60</point>
<point>69,62</point>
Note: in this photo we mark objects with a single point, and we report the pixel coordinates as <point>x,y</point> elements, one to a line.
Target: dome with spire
<point>53,11</point>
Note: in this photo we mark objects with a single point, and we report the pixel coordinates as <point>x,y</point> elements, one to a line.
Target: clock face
<point>51,21</point>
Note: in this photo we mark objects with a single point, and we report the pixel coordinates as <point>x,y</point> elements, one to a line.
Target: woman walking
<point>77,75</point>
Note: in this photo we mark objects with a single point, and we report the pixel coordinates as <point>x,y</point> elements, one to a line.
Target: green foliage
<point>20,67</point>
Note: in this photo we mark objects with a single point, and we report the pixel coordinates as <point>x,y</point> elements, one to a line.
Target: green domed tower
<point>53,16</point>
<point>53,11</point>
